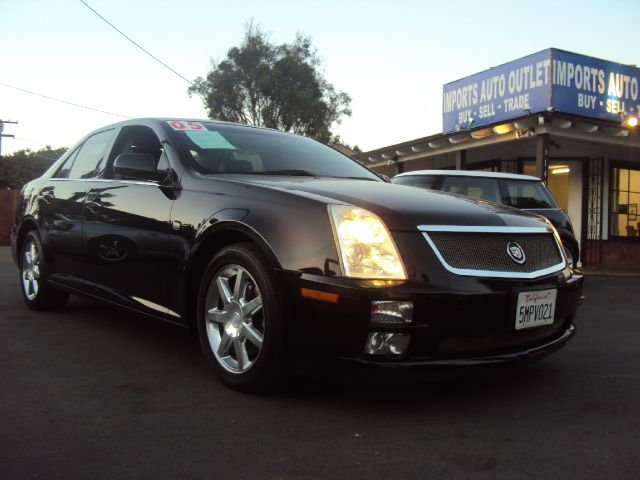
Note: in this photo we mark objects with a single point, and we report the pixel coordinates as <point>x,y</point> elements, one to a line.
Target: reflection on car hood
<point>401,207</point>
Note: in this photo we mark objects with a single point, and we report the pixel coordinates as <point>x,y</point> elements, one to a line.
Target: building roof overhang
<point>556,124</point>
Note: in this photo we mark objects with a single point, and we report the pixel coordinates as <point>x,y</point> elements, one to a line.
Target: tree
<point>275,86</point>
<point>19,167</point>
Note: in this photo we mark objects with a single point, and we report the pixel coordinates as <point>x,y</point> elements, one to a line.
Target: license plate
<point>535,308</point>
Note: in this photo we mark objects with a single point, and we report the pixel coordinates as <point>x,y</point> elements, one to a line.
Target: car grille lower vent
<point>486,253</point>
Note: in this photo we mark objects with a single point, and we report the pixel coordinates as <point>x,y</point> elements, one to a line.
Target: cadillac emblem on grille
<point>516,253</point>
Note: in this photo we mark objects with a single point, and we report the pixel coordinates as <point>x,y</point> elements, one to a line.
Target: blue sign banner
<point>511,90</point>
<point>592,87</point>
<point>550,79</point>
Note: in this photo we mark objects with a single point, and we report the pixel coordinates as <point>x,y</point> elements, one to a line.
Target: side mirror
<point>140,166</point>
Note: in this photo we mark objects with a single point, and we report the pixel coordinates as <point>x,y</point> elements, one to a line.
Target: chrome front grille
<point>483,251</point>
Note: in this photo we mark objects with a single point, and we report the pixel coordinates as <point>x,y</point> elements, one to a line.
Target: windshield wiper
<point>297,173</point>
<point>306,173</point>
<point>354,178</point>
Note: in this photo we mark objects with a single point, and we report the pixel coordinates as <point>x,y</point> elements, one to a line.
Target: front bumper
<point>527,354</point>
<point>471,323</point>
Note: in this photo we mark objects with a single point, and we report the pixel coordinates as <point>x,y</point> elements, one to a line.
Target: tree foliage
<point>19,167</point>
<point>275,86</point>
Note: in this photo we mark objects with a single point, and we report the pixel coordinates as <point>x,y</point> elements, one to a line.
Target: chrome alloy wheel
<point>234,319</point>
<point>31,270</point>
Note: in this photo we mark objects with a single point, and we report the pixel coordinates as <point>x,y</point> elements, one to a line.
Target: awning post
<point>542,157</point>
<point>461,159</point>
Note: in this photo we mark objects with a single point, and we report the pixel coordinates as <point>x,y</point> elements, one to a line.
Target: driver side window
<point>134,139</point>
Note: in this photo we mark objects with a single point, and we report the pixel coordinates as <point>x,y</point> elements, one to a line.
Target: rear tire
<point>240,322</point>
<point>38,294</point>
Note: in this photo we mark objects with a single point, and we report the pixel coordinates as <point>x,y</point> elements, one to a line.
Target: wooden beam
<point>461,159</point>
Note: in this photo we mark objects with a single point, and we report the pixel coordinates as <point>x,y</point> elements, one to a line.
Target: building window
<point>625,198</point>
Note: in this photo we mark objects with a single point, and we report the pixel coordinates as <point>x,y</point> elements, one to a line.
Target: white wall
<point>575,197</point>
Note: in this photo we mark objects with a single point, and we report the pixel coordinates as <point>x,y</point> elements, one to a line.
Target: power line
<point>31,141</point>
<point>135,43</point>
<point>62,101</point>
<point>22,139</point>
<point>32,153</point>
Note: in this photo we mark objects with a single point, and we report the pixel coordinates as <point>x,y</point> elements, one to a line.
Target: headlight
<point>365,247</point>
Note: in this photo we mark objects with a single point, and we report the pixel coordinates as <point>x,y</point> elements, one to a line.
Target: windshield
<point>236,149</point>
<point>527,194</point>
<point>422,181</point>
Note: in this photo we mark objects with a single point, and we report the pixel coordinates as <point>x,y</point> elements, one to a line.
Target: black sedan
<point>282,251</point>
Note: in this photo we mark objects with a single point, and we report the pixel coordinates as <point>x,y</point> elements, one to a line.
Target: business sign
<point>594,88</point>
<point>551,79</point>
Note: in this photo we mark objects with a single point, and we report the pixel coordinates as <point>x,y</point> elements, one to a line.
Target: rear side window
<point>482,188</point>
<point>527,194</point>
<point>63,171</point>
<point>89,162</point>
<point>422,181</point>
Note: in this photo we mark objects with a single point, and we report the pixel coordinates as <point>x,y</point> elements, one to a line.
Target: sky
<point>391,57</point>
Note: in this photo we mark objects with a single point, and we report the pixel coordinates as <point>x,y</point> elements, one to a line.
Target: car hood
<point>399,206</point>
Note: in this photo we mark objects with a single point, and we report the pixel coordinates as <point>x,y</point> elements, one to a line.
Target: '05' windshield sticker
<point>180,125</point>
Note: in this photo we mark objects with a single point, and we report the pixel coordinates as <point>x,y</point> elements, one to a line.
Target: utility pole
<point>2,134</point>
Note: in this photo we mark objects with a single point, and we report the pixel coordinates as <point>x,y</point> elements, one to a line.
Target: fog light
<point>384,343</point>
<point>385,312</point>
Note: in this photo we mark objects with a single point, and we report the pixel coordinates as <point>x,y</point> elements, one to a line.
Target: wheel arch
<point>25,227</point>
<point>211,242</point>
<point>571,241</point>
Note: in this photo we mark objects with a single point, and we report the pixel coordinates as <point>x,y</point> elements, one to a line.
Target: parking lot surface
<point>95,392</point>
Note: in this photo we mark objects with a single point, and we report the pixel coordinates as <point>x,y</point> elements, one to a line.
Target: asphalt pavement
<point>92,392</point>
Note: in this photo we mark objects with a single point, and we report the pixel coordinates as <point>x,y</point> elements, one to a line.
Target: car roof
<point>469,173</point>
<point>142,120</point>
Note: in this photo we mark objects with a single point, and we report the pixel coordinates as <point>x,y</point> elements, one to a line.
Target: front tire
<point>240,321</point>
<point>36,291</point>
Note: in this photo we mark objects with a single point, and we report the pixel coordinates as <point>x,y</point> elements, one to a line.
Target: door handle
<point>62,225</point>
